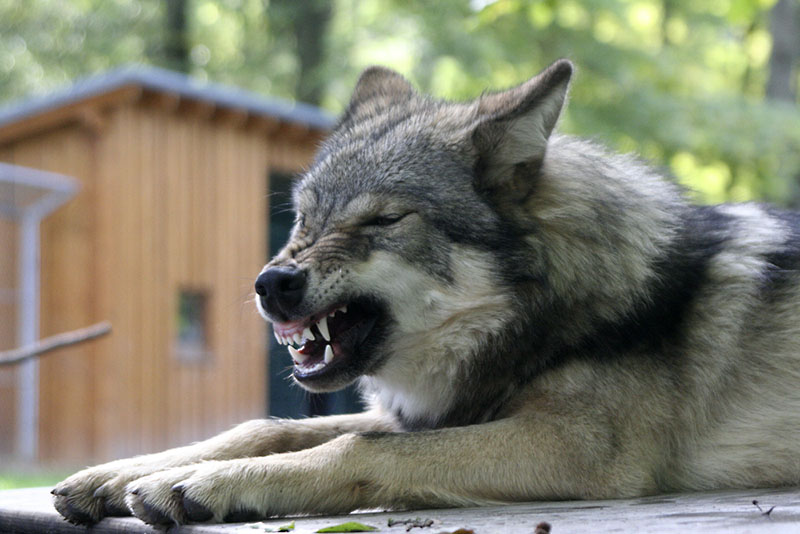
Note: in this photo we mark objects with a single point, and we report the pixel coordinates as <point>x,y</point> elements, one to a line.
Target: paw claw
<point>61,491</point>
<point>195,511</point>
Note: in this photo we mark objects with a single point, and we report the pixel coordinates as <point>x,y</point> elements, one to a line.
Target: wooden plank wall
<point>67,301</point>
<point>183,201</point>
<point>288,155</point>
<point>8,330</point>
<point>8,321</point>
<point>172,197</point>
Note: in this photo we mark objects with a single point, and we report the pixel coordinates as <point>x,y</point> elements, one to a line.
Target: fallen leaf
<point>350,526</point>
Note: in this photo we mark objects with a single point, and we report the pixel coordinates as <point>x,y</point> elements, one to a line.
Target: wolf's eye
<point>383,220</point>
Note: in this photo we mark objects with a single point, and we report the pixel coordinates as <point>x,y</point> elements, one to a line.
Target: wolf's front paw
<point>153,500</point>
<point>92,494</point>
<point>234,490</point>
<point>195,493</point>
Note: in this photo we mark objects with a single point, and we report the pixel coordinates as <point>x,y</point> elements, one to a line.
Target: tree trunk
<point>308,21</point>
<point>176,47</point>
<point>784,24</point>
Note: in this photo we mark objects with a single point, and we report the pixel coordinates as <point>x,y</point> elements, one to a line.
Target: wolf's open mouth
<point>326,340</point>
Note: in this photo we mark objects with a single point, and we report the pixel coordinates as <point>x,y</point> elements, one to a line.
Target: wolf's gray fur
<point>529,316</point>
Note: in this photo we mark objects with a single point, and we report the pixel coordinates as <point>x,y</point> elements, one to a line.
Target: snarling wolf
<point>528,316</point>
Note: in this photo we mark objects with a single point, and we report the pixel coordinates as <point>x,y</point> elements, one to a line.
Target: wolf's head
<point>406,245</point>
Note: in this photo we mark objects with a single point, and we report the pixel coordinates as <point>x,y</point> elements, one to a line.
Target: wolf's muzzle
<point>281,289</point>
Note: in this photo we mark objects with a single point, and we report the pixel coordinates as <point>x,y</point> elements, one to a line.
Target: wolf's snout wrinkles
<point>281,289</point>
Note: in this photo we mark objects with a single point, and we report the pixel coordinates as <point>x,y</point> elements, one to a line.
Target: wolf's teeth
<point>328,354</point>
<point>277,337</point>
<point>343,309</point>
<point>297,355</point>
<point>297,339</point>
<point>323,328</point>
<point>307,334</point>
<point>316,367</point>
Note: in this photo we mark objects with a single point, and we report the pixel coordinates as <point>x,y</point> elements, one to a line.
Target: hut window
<point>192,343</point>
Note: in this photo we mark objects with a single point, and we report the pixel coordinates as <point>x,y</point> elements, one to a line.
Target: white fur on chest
<point>439,327</point>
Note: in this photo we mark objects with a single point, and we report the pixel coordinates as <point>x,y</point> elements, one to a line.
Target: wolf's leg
<point>516,459</point>
<point>89,495</point>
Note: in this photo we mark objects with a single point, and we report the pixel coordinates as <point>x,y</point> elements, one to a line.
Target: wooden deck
<point>729,512</point>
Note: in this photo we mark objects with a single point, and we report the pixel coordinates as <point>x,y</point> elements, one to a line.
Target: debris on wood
<point>416,522</point>
<point>542,528</point>
<point>264,528</point>
<point>284,528</point>
<point>755,502</point>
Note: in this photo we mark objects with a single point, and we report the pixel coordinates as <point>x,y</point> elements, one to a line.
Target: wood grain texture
<point>170,199</point>
<point>722,512</point>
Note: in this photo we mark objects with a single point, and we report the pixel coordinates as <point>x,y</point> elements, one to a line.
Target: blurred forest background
<point>705,88</point>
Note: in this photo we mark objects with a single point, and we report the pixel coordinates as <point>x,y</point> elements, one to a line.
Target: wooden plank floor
<point>729,512</point>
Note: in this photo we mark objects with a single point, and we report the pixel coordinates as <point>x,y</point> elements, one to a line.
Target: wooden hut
<point>164,239</point>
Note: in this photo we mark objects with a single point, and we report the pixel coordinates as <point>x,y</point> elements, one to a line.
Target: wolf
<point>528,316</point>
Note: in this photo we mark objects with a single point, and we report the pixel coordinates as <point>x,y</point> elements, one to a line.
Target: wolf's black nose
<point>281,289</point>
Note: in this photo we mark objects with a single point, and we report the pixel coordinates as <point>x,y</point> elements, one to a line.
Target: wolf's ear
<point>377,88</point>
<point>513,126</point>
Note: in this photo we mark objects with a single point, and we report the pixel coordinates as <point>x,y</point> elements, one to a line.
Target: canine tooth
<point>323,328</point>
<point>297,339</point>
<point>297,355</point>
<point>307,334</point>
<point>343,309</point>
<point>328,354</point>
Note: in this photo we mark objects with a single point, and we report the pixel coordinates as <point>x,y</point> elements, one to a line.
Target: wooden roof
<point>85,98</point>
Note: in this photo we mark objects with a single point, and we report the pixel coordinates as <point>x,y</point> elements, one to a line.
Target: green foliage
<point>47,43</point>
<point>680,82</point>
<point>21,478</point>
